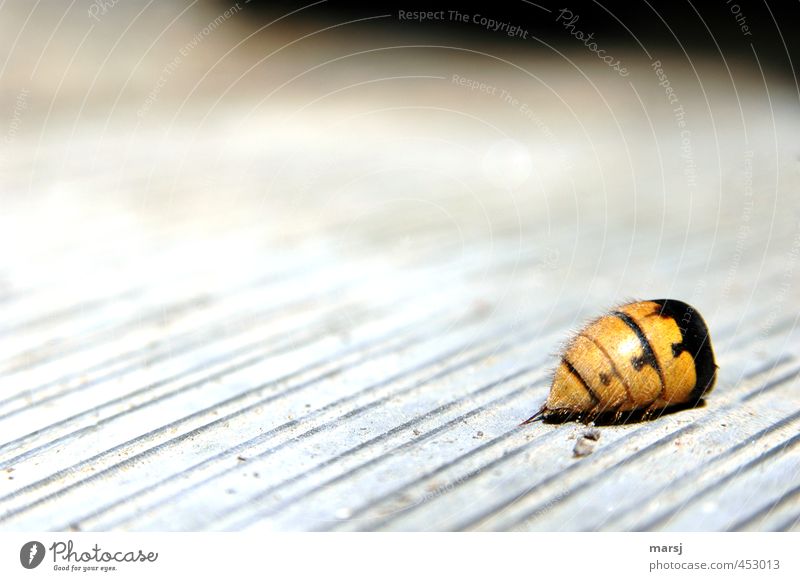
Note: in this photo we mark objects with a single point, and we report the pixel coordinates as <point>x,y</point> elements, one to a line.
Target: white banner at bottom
<point>407,556</point>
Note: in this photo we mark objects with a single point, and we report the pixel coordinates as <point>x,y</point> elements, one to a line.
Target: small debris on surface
<point>591,434</point>
<point>583,447</point>
<point>586,442</point>
<point>477,435</point>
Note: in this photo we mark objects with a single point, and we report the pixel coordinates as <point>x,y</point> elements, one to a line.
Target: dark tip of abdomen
<point>695,339</point>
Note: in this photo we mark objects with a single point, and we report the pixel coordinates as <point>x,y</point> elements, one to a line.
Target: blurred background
<point>306,265</point>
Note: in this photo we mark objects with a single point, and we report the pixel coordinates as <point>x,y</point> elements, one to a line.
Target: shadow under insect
<point>612,418</point>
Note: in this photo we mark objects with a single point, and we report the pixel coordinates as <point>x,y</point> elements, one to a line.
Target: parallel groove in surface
<point>790,496</point>
<point>556,477</point>
<point>250,517</point>
<point>270,490</point>
<point>222,358</point>
<point>197,430</point>
<point>775,450</point>
<point>91,460</point>
<point>661,442</point>
<point>713,461</point>
<point>508,454</point>
<point>254,516</point>
<point>251,360</point>
<point>266,435</point>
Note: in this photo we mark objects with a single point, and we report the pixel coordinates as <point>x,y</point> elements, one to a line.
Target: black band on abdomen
<point>648,355</point>
<point>574,372</point>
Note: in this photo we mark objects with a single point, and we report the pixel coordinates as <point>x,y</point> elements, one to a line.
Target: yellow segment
<point>593,365</point>
<point>679,372</point>
<point>621,344</point>
<point>567,392</point>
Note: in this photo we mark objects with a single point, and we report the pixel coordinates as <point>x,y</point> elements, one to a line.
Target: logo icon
<point>31,554</point>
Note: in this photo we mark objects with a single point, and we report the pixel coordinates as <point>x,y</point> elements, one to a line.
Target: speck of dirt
<point>585,444</point>
<point>592,434</point>
<point>583,447</point>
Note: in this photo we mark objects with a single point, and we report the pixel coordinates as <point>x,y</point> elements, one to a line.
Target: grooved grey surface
<point>282,297</point>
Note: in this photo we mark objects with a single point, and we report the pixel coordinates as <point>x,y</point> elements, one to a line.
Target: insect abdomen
<point>646,356</point>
